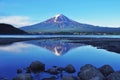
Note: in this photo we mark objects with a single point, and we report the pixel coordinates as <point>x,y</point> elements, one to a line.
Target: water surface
<point>53,52</point>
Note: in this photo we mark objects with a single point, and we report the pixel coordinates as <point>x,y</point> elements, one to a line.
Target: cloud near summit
<point>17,21</point>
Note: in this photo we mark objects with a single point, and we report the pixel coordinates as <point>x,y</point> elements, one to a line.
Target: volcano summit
<point>61,23</point>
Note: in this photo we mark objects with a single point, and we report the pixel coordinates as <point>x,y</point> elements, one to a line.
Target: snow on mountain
<point>58,19</point>
<point>61,23</point>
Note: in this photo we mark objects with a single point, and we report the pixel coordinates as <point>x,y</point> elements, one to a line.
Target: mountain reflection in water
<point>61,45</point>
<point>58,47</point>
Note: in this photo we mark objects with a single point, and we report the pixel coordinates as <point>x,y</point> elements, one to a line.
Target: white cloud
<point>17,21</point>
<point>16,48</point>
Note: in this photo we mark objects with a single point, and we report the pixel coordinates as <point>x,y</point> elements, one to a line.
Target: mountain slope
<point>61,23</point>
<point>9,29</point>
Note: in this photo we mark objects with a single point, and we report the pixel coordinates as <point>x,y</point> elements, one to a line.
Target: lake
<point>53,52</point>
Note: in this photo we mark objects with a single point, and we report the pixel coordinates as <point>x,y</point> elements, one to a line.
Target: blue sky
<point>27,12</point>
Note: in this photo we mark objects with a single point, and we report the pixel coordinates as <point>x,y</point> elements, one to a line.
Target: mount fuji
<point>61,23</point>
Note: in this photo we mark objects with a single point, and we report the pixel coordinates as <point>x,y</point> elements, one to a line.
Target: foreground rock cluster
<point>86,72</point>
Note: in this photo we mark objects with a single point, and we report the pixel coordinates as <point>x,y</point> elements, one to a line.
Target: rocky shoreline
<point>86,72</point>
<point>110,44</point>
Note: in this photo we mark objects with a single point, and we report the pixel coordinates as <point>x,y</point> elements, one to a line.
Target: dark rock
<point>3,78</point>
<point>37,67</point>
<point>23,77</point>
<point>70,78</point>
<point>114,76</point>
<point>54,66</point>
<point>106,70</point>
<point>51,78</point>
<point>70,69</point>
<point>53,71</point>
<point>19,71</point>
<point>89,72</point>
<point>60,69</point>
<point>28,70</point>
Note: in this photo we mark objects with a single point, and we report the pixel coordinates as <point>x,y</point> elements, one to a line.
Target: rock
<point>70,69</point>
<point>106,70</point>
<point>23,77</point>
<point>53,71</point>
<point>37,67</point>
<point>28,70</point>
<point>51,78</point>
<point>19,71</point>
<point>89,72</point>
<point>114,76</point>
<point>60,69</point>
<point>70,78</point>
<point>3,78</point>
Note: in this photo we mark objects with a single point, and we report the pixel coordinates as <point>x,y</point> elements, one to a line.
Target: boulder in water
<point>23,77</point>
<point>106,70</point>
<point>70,78</point>
<point>89,72</point>
<point>114,76</point>
<point>70,69</point>
<point>37,67</point>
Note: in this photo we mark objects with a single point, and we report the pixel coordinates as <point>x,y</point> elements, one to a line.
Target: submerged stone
<point>106,70</point>
<point>53,71</point>
<point>114,76</point>
<point>23,77</point>
<point>37,67</point>
<point>19,71</point>
<point>51,78</point>
<point>70,78</point>
<point>89,72</point>
<point>70,69</point>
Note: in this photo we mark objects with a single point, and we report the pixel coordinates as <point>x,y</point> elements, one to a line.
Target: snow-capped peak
<point>60,18</point>
<point>57,16</point>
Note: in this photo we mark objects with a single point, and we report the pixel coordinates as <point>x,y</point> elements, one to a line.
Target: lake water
<point>42,36</point>
<point>53,52</point>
